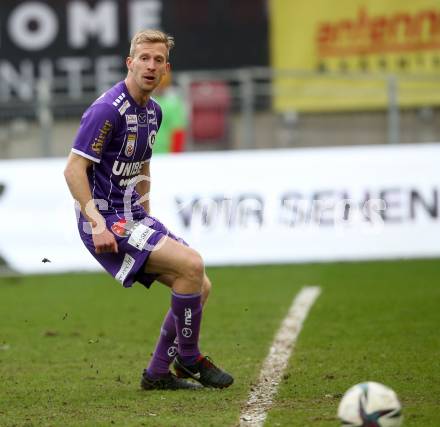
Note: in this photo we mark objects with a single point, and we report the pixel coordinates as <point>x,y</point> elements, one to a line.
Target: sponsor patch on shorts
<point>139,236</point>
<point>127,265</point>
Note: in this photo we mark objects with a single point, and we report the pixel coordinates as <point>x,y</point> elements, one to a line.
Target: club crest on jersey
<point>152,138</point>
<point>142,118</point>
<point>131,119</point>
<point>129,146</point>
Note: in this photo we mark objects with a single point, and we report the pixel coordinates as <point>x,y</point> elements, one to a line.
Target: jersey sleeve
<point>95,131</point>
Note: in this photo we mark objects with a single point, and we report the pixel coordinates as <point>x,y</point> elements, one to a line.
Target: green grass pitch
<point>72,347</point>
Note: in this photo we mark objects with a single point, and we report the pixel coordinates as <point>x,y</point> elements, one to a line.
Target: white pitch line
<point>261,397</point>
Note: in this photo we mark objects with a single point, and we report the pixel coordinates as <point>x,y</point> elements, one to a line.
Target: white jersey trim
<point>87,156</point>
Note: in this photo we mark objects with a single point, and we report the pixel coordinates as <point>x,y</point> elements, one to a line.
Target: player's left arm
<point>143,187</point>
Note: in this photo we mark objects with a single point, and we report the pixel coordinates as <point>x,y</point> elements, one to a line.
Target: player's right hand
<point>105,242</point>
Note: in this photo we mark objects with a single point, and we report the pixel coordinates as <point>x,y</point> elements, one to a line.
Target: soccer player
<point>108,174</point>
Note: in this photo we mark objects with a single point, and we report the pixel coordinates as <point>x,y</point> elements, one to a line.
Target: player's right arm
<point>76,178</point>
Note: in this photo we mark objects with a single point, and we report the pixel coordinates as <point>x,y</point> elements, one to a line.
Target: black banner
<point>75,39</point>
<point>213,34</point>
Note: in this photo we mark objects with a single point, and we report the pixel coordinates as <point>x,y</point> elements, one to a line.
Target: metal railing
<point>261,103</point>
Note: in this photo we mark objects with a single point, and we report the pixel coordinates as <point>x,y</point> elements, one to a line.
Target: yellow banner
<point>338,55</point>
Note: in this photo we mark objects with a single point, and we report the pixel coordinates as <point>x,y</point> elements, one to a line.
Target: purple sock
<point>166,348</point>
<point>187,312</point>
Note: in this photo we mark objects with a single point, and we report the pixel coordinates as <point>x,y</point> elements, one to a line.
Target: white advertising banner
<point>245,207</point>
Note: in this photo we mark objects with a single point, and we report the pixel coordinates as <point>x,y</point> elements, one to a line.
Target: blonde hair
<point>151,36</point>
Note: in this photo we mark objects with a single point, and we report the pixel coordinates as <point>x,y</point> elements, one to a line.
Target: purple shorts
<point>136,239</point>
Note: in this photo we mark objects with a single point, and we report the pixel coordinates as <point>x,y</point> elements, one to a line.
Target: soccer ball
<point>370,404</point>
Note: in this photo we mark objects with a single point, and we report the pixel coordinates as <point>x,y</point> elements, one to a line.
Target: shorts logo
<point>119,230</point>
<point>187,332</point>
<point>131,119</point>
<point>152,138</point>
<point>172,351</point>
<point>123,228</point>
<point>142,118</point>
<point>129,146</point>
<point>127,265</point>
<point>140,235</point>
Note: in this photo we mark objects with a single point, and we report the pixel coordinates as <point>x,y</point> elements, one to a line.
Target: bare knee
<point>194,269</point>
<point>206,288</point>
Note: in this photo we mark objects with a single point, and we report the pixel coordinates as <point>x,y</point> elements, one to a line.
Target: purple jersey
<point>118,135</point>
